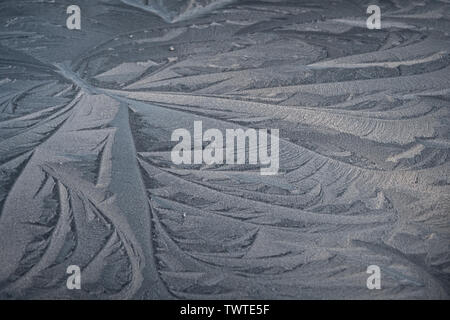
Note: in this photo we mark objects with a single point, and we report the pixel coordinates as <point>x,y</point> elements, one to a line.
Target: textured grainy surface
<point>85,171</point>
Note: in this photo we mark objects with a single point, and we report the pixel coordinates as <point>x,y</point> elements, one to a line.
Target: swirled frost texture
<point>86,176</point>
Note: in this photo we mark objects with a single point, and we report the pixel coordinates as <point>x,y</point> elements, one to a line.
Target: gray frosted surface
<point>86,177</point>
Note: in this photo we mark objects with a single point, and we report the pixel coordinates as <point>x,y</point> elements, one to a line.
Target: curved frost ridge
<point>174,11</point>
